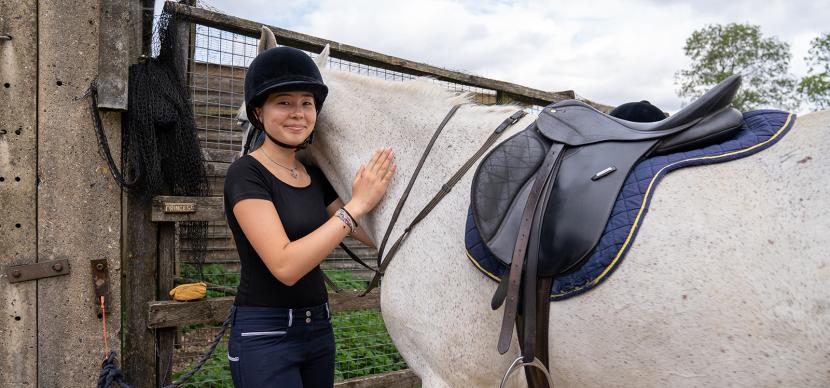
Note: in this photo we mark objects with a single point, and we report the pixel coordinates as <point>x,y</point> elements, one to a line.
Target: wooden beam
<point>405,378</point>
<point>356,54</point>
<point>161,314</point>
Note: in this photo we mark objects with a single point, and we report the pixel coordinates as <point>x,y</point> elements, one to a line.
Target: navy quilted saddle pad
<point>761,129</point>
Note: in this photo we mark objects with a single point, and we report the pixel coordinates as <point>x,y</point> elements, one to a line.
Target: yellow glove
<point>190,291</point>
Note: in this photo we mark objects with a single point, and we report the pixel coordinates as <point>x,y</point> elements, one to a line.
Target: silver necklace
<point>292,170</point>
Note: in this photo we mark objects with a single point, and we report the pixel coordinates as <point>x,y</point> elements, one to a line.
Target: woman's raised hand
<point>371,182</point>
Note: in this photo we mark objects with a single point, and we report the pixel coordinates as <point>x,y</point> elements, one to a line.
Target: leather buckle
<point>516,116</point>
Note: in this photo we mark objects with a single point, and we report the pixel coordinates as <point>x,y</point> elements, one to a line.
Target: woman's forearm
<point>299,257</point>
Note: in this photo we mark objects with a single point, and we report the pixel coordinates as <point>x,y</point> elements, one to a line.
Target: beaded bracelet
<point>343,215</point>
<point>354,221</point>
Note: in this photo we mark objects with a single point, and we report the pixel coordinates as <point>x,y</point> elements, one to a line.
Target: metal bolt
<point>57,267</point>
<point>16,273</point>
<point>99,267</point>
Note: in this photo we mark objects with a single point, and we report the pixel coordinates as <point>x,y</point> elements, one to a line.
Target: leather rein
<point>445,189</point>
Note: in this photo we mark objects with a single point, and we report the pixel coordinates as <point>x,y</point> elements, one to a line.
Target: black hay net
<point>160,148</point>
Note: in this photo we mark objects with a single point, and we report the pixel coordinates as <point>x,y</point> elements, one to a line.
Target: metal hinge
<point>44,269</point>
<point>100,284</point>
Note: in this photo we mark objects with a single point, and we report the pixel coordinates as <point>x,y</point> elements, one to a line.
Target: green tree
<point>815,87</point>
<point>718,51</point>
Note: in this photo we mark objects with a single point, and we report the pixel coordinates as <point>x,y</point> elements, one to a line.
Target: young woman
<point>286,218</point>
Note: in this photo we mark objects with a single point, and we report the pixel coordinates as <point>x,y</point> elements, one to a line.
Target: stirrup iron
<point>518,363</point>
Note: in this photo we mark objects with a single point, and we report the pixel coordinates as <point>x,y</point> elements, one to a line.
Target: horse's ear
<point>242,115</point>
<point>322,59</point>
<point>266,40</point>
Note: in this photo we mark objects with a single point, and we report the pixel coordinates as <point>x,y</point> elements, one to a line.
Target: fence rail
<point>161,314</point>
<point>505,90</point>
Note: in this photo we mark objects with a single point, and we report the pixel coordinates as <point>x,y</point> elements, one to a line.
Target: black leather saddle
<point>541,199</point>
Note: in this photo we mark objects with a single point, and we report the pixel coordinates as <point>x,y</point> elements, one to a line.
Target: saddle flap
<point>575,123</point>
<point>579,207</point>
<point>500,176</point>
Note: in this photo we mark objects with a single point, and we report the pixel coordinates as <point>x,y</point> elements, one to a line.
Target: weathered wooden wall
<point>57,198</point>
<point>78,203</point>
<point>18,190</point>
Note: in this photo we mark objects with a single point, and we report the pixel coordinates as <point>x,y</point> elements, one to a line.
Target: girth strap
<point>445,189</point>
<point>546,172</point>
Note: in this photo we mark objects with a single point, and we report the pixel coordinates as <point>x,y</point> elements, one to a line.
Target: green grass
<point>214,374</point>
<point>363,345</point>
<point>346,279</point>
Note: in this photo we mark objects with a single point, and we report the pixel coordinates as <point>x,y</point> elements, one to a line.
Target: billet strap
<point>546,172</point>
<point>445,189</point>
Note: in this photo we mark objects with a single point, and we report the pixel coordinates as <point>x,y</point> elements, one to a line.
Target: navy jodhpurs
<point>279,347</point>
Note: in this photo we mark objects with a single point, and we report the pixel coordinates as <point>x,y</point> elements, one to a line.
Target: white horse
<point>727,283</point>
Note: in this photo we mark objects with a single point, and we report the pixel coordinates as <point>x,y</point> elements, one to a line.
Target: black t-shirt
<point>301,210</point>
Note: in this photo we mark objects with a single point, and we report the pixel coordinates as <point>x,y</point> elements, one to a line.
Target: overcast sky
<point>608,51</point>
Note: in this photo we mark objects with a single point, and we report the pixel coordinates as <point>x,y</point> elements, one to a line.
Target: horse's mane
<point>420,87</point>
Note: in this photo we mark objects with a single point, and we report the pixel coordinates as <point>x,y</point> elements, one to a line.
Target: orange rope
<point>104,320</point>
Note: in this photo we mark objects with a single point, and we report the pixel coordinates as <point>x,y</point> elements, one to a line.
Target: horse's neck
<point>349,136</point>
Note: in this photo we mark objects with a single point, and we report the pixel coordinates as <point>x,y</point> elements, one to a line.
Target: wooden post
<point>139,247</point>
<point>166,266</point>
<point>140,265</point>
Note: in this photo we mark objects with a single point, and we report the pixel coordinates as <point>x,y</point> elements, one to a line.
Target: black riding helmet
<point>641,112</point>
<point>282,69</point>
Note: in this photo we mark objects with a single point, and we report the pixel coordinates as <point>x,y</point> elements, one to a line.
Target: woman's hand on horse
<point>371,182</point>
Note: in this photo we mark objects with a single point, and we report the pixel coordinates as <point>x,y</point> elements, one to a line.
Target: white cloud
<point>608,51</point>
